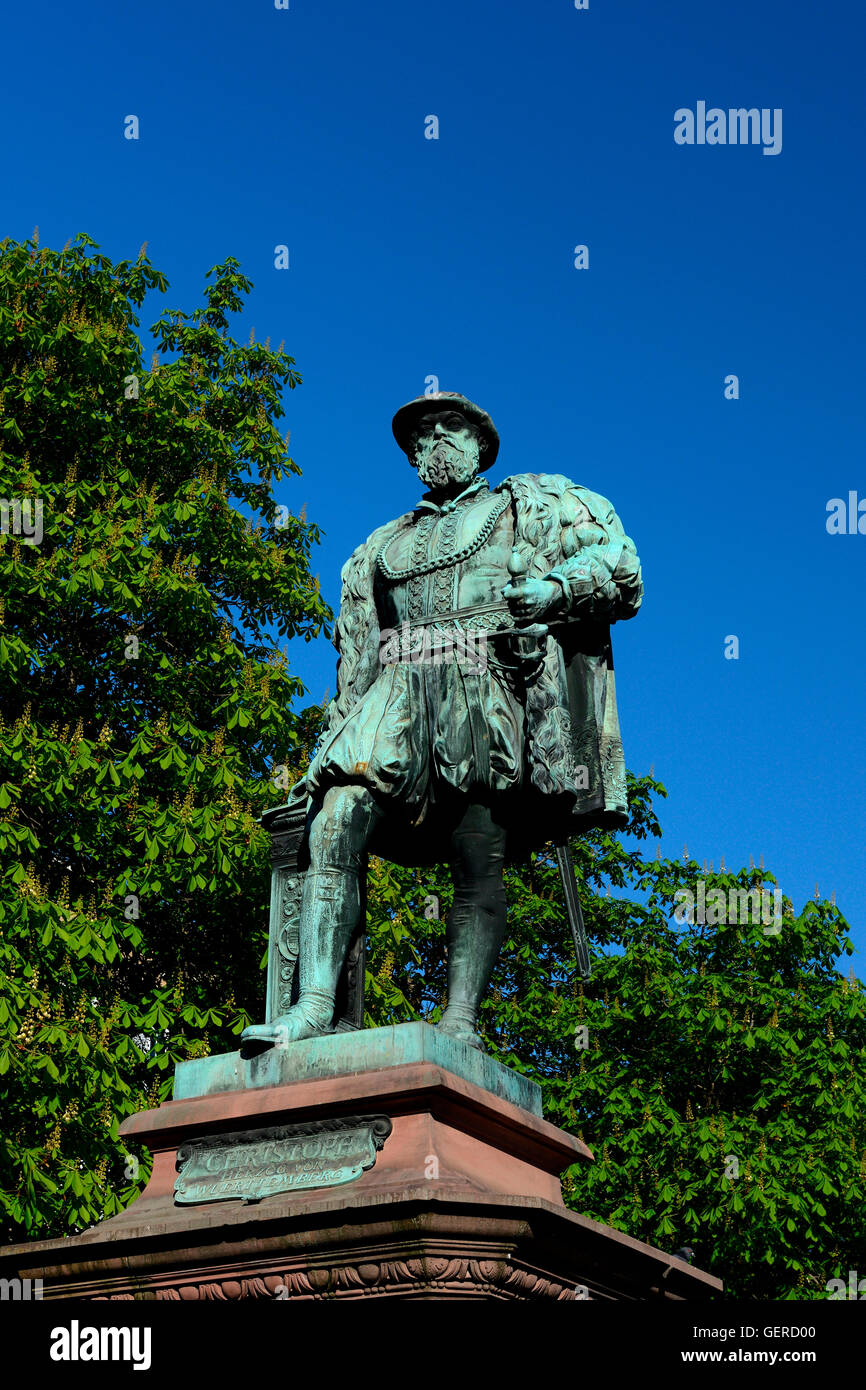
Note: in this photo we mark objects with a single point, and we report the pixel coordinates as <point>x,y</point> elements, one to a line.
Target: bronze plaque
<point>255,1163</point>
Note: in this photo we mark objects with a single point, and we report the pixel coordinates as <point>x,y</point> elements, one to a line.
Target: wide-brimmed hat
<point>405,422</point>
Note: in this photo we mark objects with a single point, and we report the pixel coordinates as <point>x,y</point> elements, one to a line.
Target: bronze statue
<point>475,717</point>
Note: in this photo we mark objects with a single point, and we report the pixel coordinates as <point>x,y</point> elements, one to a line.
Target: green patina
<point>475,718</point>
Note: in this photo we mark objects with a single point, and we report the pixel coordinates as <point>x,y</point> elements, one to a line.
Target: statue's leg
<point>476,923</point>
<point>330,907</point>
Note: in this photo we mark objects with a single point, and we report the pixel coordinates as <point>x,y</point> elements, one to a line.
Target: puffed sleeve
<point>599,572</point>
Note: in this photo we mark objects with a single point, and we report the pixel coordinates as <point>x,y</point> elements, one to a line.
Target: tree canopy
<point>144,703</point>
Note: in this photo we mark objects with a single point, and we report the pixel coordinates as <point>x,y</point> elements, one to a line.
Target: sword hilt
<point>517,569</point>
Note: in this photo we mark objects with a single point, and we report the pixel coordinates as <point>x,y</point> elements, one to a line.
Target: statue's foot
<point>294,1026</point>
<point>461,1032</point>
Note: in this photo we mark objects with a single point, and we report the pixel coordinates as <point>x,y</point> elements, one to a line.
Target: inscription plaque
<point>255,1163</point>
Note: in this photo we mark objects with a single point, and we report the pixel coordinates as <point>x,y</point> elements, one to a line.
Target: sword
<point>517,570</point>
<point>572,907</point>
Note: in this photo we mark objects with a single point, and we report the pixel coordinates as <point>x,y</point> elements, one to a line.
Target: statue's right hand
<point>529,599</point>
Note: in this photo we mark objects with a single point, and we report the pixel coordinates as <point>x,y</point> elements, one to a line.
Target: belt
<point>475,614</point>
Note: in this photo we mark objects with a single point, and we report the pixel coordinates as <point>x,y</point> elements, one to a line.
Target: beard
<point>440,463</point>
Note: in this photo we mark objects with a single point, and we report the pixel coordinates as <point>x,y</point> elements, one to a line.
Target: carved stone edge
<point>445,1275</point>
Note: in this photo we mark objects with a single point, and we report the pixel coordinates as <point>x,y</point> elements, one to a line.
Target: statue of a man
<point>475,717</point>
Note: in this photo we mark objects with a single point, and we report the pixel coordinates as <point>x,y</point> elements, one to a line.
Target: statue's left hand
<point>297,792</point>
<point>531,599</point>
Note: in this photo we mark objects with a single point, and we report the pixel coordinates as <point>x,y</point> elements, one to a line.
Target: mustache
<point>427,446</point>
<point>440,449</point>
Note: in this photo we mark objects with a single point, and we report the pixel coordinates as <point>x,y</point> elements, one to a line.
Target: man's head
<point>446,449</point>
<point>447,438</point>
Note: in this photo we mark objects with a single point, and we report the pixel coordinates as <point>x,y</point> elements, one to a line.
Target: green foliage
<point>142,707</point>
<point>722,1081</point>
<point>721,1076</point>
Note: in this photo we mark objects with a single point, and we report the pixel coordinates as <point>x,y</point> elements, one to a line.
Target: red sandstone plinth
<point>463,1200</point>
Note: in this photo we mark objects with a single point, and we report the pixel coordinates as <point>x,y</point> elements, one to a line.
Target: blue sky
<point>454,257</point>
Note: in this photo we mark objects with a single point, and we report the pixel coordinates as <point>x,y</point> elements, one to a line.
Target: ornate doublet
<point>448,560</point>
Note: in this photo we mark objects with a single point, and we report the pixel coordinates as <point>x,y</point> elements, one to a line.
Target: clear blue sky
<point>454,257</point>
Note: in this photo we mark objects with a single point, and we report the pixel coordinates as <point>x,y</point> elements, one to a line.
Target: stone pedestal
<point>410,1166</point>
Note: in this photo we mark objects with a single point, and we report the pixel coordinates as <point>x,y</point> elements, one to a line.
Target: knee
<point>479,881</point>
<point>479,856</point>
<point>340,830</point>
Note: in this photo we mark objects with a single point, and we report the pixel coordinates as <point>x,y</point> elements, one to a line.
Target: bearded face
<point>447,450</point>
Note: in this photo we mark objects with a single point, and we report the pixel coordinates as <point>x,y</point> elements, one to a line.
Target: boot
<point>329,914</point>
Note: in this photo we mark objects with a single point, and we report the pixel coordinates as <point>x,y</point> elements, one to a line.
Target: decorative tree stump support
<point>289,862</point>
